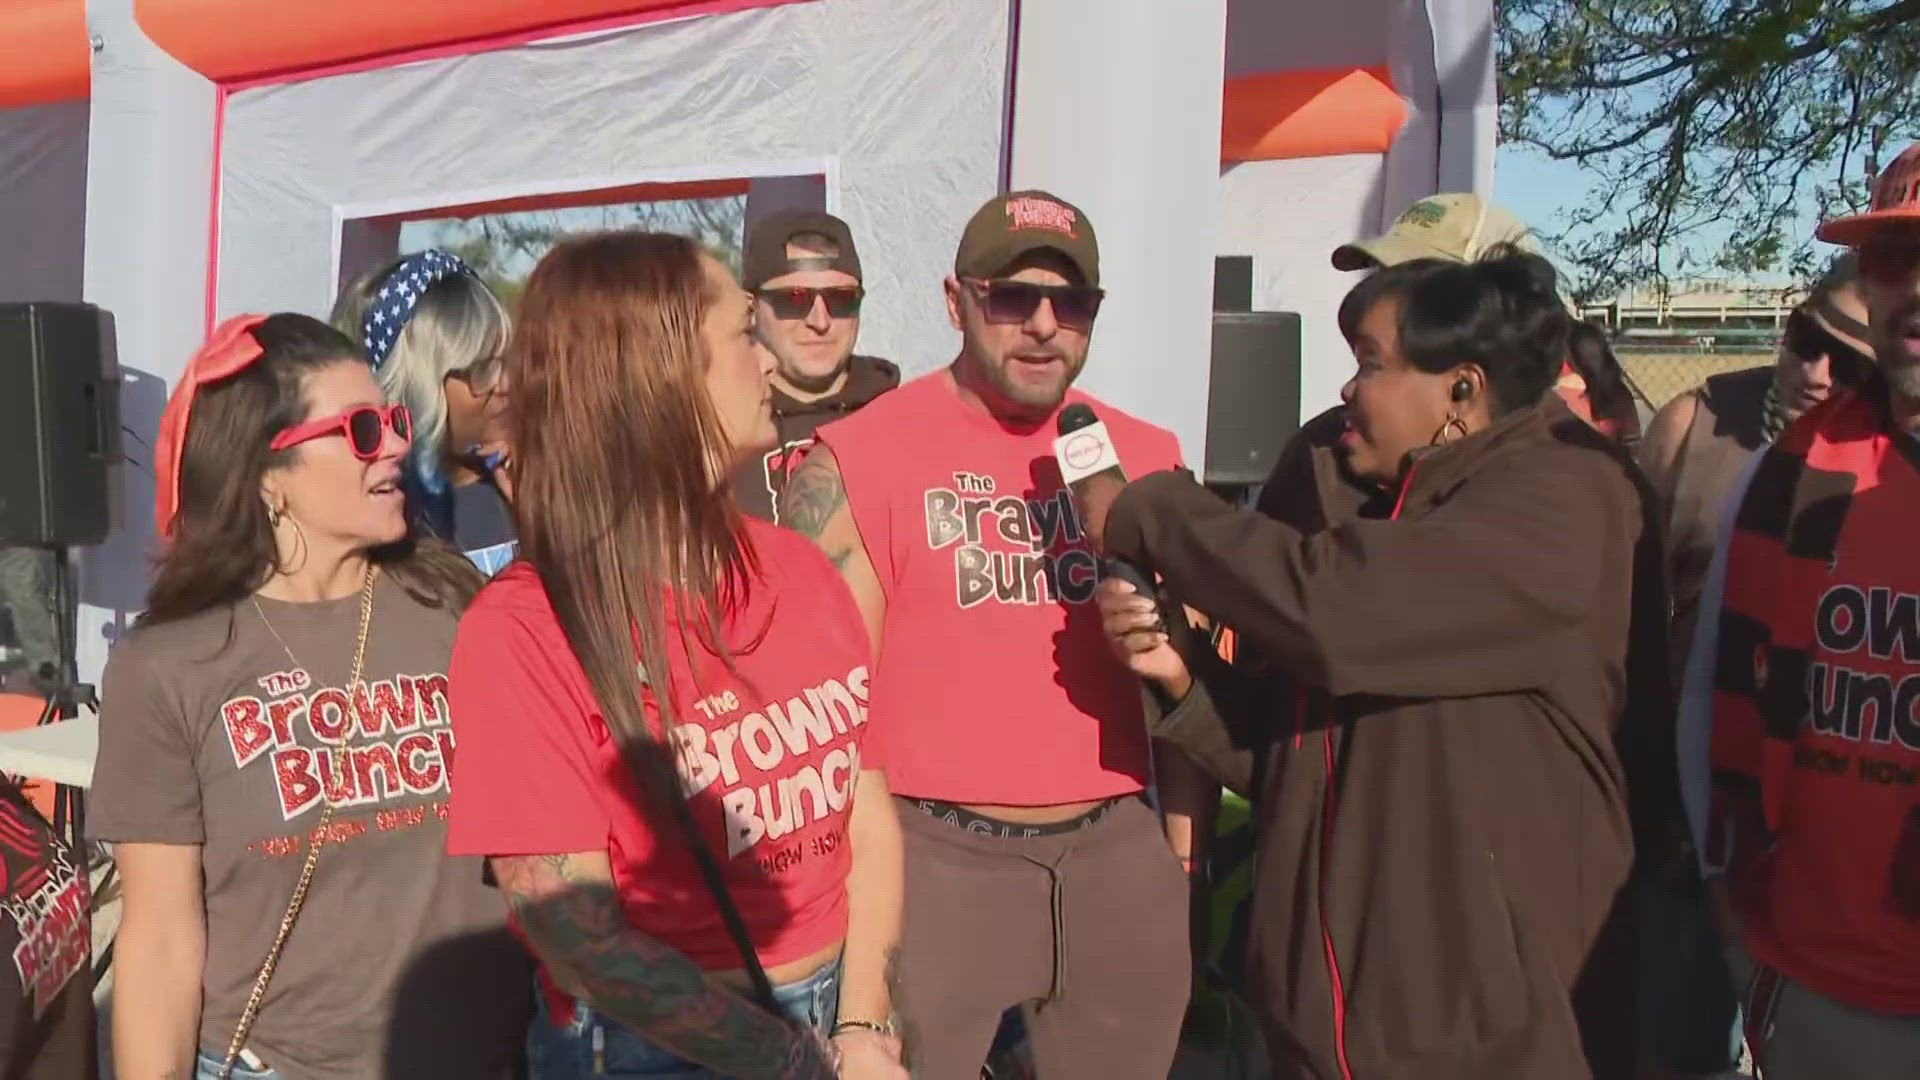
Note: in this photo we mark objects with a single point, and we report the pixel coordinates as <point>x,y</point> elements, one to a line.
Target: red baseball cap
<point>1896,201</point>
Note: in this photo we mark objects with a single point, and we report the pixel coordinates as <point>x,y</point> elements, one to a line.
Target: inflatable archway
<point>245,154</point>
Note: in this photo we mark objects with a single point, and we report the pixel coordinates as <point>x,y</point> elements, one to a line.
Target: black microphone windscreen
<point>1076,416</point>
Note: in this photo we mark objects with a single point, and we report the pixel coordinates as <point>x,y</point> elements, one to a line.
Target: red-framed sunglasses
<point>363,425</point>
<point>843,301</point>
<point>1005,301</point>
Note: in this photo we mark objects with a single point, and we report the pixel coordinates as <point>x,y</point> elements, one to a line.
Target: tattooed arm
<point>567,908</point>
<point>814,504</point>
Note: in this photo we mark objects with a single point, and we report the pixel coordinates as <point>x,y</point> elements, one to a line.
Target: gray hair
<point>459,327</point>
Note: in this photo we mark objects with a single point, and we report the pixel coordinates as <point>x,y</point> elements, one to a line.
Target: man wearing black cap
<point>804,270</point>
<point>1012,739</point>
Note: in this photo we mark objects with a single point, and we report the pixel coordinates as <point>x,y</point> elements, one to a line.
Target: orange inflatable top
<point>1296,114</point>
<point>43,52</point>
<point>241,39</point>
<point>44,57</point>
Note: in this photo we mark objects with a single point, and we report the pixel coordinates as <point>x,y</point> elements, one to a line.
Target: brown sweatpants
<point>1086,931</point>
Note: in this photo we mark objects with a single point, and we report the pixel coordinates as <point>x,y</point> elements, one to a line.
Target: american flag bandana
<point>393,305</point>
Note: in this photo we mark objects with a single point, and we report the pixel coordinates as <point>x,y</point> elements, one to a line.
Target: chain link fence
<point>1660,374</point>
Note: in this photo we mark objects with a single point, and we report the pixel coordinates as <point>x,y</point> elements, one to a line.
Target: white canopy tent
<point>210,196</point>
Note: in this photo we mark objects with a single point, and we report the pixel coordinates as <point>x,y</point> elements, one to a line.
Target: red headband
<point>227,352</point>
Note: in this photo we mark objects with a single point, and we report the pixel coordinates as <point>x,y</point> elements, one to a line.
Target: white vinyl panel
<point>897,102</point>
<point>150,153</point>
<point>43,201</point>
<point>1290,215</point>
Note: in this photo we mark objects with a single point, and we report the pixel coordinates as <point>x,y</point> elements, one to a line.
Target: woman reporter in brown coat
<point>1430,704</point>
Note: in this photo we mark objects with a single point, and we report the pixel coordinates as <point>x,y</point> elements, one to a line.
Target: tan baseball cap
<point>1011,225</point>
<point>1457,226</point>
<point>1896,200</point>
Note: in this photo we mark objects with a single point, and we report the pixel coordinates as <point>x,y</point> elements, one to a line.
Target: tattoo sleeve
<point>812,498</point>
<point>573,917</point>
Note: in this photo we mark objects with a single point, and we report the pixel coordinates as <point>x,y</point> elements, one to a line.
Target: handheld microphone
<point>1091,468</point>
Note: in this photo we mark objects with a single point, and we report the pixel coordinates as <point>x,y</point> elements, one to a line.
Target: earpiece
<point>1462,390</point>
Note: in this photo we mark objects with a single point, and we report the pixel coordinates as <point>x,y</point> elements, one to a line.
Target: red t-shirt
<point>768,756</point>
<point>1816,681</point>
<point>995,684</point>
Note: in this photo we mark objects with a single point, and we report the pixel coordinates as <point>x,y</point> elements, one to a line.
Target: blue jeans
<point>207,1067</point>
<point>595,1046</point>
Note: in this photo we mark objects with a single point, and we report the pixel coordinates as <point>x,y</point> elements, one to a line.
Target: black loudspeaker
<point>1233,283</point>
<point>59,423</point>
<point>1253,398</point>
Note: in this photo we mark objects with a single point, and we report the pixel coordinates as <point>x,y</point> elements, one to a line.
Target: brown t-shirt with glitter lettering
<point>400,963</point>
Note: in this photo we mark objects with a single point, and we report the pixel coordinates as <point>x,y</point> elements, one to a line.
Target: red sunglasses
<point>363,425</point>
<point>843,301</point>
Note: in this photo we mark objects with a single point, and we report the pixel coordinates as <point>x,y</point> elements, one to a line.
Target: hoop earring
<point>274,516</point>
<point>1451,431</point>
<point>300,548</point>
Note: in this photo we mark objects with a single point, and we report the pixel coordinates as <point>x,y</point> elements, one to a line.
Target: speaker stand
<point>66,694</point>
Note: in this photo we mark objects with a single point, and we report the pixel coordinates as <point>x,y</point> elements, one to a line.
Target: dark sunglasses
<point>363,425</point>
<point>1074,306</point>
<point>1809,341</point>
<point>1891,255</point>
<point>843,301</point>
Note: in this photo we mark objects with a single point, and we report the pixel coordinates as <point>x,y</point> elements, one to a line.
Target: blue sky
<point>1539,191</point>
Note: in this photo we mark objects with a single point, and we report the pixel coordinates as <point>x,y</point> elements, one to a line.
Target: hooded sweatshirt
<point>757,485</point>
<point>1428,709</point>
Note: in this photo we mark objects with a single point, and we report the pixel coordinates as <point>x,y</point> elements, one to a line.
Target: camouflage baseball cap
<point>1457,226</point>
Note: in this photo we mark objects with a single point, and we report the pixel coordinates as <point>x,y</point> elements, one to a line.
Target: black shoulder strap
<point>729,913</point>
<point>668,780</point>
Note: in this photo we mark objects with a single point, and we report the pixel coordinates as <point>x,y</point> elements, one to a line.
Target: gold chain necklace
<point>319,835</point>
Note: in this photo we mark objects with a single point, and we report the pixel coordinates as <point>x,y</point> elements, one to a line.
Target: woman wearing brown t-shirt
<point>277,725</point>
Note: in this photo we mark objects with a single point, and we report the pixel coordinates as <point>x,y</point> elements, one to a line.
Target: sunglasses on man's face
<point>1891,256</point>
<point>1808,340</point>
<point>796,302</point>
<point>1003,301</point>
<point>363,425</point>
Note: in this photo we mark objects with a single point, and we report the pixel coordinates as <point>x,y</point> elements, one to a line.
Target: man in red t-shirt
<point>1804,657</point>
<point>1013,741</point>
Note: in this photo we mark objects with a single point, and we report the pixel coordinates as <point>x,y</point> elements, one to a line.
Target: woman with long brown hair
<point>660,707</point>
<point>274,746</point>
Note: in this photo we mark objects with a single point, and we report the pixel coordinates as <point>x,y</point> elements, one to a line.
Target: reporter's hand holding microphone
<point>1130,616</point>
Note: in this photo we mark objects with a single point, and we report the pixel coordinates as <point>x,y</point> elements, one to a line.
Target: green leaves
<point>1712,128</point>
